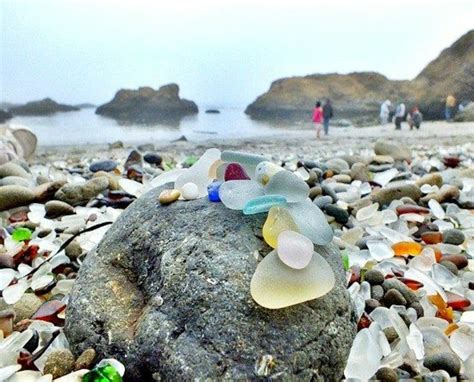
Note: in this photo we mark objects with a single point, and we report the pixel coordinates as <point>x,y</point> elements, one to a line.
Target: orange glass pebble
<point>451,328</point>
<point>407,248</point>
<point>432,237</point>
<point>438,254</point>
<point>457,302</point>
<point>412,284</point>
<point>444,311</point>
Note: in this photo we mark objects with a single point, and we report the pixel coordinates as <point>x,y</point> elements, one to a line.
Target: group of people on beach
<point>321,116</point>
<point>413,117</point>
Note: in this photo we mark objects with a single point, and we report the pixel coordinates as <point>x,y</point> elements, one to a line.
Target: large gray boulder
<point>167,292</point>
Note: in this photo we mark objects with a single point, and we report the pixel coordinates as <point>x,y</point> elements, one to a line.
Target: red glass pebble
<point>451,161</point>
<point>49,312</point>
<point>364,322</point>
<point>355,275</point>
<point>412,284</point>
<point>20,216</point>
<point>432,237</point>
<point>26,255</point>
<point>235,171</point>
<point>457,302</point>
<point>411,209</point>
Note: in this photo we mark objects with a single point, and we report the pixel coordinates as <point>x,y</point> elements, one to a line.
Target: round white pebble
<point>189,191</point>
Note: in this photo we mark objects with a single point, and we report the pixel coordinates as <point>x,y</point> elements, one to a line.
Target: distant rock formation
<point>357,96</point>
<point>85,105</point>
<point>4,116</point>
<point>213,111</point>
<point>148,105</point>
<point>43,107</point>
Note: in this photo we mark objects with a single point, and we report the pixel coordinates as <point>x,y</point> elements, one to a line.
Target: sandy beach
<point>301,142</point>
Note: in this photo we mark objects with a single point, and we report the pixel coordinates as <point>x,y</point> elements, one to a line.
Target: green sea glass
<point>263,204</point>
<point>21,234</point>
<point>105,373</point>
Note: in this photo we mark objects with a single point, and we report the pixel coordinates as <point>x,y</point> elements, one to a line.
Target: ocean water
<point>85,127</point>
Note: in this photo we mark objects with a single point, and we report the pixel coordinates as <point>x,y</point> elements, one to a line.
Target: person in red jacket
<point>318,118</point>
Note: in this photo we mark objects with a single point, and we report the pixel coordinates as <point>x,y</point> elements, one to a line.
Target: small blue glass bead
<point>213,191</point>
<point>263,204</point>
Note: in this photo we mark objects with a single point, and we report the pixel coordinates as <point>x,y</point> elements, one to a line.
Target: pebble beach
<point>400,206</point>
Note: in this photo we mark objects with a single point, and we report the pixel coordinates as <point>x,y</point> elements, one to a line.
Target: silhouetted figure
<point>385,111</point>
<point>327,115</point>
<point>399,115</point>
<point>414,118</point>
<point>450,109</point>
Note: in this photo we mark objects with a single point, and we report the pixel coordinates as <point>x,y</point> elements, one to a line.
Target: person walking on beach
<point>327,115</point>
<point>450,107</point>
<point>318,118</point>
<point>385,112</point>
<point>414,118</point>
<point>399,115</point>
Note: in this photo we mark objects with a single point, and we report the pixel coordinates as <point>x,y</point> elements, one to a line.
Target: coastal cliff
<point>357,96</point>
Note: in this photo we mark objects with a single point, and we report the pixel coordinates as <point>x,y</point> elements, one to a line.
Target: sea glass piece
<point>235,171</point>
<point>278,220</point>
<point>265,170</point>
<point>443,276</point>
<point>432,237</point>
<point>49,311</point>
<point>294,249</point>
<point>462,341</point>
<point>415,342</point>
<point>21,234</point>
<point>236,193</point>
<point>287,184</point>
<point>363,361</point>
<point>380,250</point>
<point>190,191</point>
<point>383,178</point>
<point>213,191</point>
<point>274,285</point>
<point>411,209</point>
<point>407,248</point>
<point>436,209</point>
<point>166,177</point>
<point>242,158</point>
<point>311,222</point>
<point>444,311</point>
<point>199,172</point>
<point>263,204</point>
<point>14,292</point>
<point>105,373</point>
<point>367,212</point>
<point>457,302</point>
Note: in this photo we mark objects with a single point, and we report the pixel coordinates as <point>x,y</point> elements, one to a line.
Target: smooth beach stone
<point>289,185</point>
<point>198,173</point>
<point>453,236</point>
<point>278,220</point>
<point>235,171</point>
<point>265,170</point>
<point>213,191</point>
<point>168,196</point>
<point>189,191</point>
<point>153,158</point>
<point>274,285</point>
<point>263,204</point>
<point>294,249</point>
<point>103,165</point>
<point>311,222</point>
<point>236,193</point>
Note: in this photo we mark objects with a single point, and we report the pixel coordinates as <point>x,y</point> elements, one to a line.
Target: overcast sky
<point>220,52</point>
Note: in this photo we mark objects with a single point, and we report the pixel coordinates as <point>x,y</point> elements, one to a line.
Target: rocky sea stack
<point>148,105</point>
<point>45,106</point>
<point>5,116</point>
<point>357,96</point>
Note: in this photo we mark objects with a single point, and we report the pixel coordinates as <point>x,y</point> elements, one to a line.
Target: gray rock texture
<point>167,292</point>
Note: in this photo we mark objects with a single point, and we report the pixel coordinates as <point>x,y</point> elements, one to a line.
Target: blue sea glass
<point>213,191</point>
<point>263,204</point>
